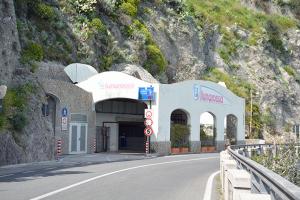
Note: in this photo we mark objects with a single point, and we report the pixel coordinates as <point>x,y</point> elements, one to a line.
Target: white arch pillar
<point>195,143</point>
<point>220,132</point>
<point>240,130</point>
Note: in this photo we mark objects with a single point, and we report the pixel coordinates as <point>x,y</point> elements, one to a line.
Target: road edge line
<point>209,186</point>
<point>111,173</point>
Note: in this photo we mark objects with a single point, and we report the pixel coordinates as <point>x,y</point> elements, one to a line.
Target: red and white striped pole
<point>147,145</point>
<point>94,145</point>
<point>58,149</point>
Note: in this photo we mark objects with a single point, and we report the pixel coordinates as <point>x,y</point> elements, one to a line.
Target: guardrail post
<point>224,155</point>
<point>238,181</point>
<point>247,196</point>
<point>227,165</point>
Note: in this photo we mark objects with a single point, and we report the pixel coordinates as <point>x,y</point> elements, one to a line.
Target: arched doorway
<point>231,129</point>
<point>120,125</point>
<point>49,110</point>
<point>180,130</point>
<point>207,131</point>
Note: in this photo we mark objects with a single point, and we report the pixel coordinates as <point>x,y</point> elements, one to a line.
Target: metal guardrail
<point>263,180</point>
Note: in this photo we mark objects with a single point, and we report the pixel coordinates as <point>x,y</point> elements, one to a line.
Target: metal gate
<point>102,139</point>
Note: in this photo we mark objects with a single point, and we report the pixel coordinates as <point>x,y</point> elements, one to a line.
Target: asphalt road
<point>162,178</point>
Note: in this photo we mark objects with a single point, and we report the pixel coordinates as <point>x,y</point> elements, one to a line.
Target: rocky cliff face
<point>253,46</point>
<point>23,101</point>
<point>9,41</point>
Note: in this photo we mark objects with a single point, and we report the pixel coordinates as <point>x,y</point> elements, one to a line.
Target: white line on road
<point>7,175</point>
<point>209,186</point>
<point>111,173</point>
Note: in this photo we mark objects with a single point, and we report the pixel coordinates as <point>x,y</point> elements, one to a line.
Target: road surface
<point>163,178</point>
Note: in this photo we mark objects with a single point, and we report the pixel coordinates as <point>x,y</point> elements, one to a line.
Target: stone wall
<point>77,101</point>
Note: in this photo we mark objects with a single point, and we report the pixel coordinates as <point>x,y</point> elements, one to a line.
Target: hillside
<point>251,45</point>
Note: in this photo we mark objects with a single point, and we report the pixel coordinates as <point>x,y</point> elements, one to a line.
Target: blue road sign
<point>64,112</point>
<point>146,94</point>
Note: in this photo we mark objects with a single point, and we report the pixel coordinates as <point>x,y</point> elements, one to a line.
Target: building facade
<point>105,112</point>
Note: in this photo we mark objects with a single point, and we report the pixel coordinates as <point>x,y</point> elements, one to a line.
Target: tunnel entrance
<point>123,122</point>
<point>131,136</point>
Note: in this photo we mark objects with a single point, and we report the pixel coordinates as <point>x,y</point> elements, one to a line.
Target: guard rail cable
<point>264,180</point>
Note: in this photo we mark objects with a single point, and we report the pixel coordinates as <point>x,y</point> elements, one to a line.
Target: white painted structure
<point>194,97</point>
<point>79,72</point>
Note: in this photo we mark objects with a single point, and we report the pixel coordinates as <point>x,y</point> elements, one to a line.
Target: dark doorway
<point>131,136</point>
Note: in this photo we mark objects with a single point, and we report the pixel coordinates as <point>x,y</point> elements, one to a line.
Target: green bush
<point>128,9</point>
<point>2,121</point>
<point>140,27</point>
<point>97,25</point>
<point>179,135</point>
<point>156,63</point>
<point>18,121</point>
<point>289,70</point>
<point>15,103</point>
<point>45,11</point>
<point>32,52</point>
<point>274,33</point>
<point>106,62</point>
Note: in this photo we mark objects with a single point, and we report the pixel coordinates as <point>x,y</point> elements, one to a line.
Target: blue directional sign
<point>64,112</point>
<point>146,94</point>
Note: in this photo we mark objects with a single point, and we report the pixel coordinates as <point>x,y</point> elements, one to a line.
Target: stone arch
<point>208,131</point>
<point>179,128</point>
<point>231,125</point>
<point>50,109</point>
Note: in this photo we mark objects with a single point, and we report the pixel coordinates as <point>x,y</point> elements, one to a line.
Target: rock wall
<point>9,41</point>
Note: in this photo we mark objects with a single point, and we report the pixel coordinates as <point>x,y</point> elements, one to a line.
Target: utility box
<point>238,181</point>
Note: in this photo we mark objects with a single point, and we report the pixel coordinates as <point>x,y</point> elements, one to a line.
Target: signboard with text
<point>64,123</point>
<point>209,95</point>
<point>146,94</point>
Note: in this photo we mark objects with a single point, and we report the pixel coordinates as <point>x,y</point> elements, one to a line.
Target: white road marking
<point>209,186</point>
<point>7,175</point>
<point>111,173</point>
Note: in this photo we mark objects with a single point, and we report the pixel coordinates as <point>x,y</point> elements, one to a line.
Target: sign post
<point>148,130</point>
<point>147,94</point>
<point>64,119</point>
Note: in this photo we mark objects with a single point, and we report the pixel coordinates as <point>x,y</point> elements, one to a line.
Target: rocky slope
<point>253,46</point>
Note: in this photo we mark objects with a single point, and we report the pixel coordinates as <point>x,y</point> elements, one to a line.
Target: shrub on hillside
<point>156,63</point>
<point>45,11</point>
<point>128,9</point>
<point>18,121</point>
<point>15,104</point>
<point>32,52</point>
<point>289,70</point>
<point>97,25</point>
<point>274,34</point>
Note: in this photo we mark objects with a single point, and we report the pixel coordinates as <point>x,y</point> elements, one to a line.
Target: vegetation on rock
<point>15,105</point>
<point>283,162</point>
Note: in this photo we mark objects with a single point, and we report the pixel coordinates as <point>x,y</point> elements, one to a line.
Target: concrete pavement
<point>170,177</point>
